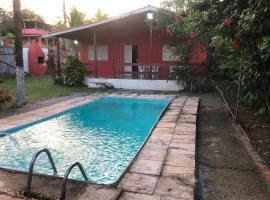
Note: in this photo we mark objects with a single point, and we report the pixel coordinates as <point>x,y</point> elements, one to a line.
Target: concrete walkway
<point>225,170</point>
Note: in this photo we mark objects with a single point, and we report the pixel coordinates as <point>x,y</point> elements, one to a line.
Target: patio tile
<point>99,193</point>
<point>172,198</point>
<point>180,160</point>
<point>172,118</point>
<point>146,167</point>
<point>189,111</point>
<point>160,137</point>
<point>190,139</point>
<point>140,183</point>
<point>169,170</point>
<point>186,118</point>
<point>183,146</point>
<point>174,187</point>
<point>165,125</point>
<point>182,150</point>
<point>185,128</point>
<point>157,145</point>
<point>136,196</point>
<point>155,154</point>
<point>163,130</point>
<point>172,113</point>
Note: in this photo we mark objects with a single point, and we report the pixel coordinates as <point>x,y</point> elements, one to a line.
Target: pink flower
<point>188,42</point>
<point>235,44</point>
<point>192,34</point>
<point>168,30</point>
<point>228,22</point>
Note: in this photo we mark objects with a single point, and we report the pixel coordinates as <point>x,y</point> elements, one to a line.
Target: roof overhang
<point>71,32</point>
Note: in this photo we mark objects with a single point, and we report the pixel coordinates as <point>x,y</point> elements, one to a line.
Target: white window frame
<point>102,53</point>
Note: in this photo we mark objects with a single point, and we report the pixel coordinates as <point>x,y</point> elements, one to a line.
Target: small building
<point>35,30</point>
<point>126,52</point>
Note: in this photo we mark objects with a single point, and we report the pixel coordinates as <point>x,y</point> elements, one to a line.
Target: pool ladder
<point>64,182</point>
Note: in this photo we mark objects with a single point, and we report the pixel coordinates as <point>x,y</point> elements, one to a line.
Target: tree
<point>17,17</point>
<point>6,22</point>
<point>30,15</point>
<point>100,16</point>
<point>76,17</point>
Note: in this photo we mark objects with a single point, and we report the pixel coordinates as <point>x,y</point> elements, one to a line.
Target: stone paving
<point>163,170</point>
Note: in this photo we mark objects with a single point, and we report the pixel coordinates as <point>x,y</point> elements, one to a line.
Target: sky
<point>51,10</point>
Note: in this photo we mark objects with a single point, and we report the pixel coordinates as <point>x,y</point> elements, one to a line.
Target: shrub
<point>4,97</point>
<point>73,71</point>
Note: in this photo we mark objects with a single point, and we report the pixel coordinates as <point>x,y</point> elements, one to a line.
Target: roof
<point>145,9</point>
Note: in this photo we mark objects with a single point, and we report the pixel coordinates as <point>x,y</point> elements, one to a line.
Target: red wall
<point>116,38</point>
<point>34,52</point>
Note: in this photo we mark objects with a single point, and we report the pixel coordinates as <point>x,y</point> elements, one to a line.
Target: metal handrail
<point>31,167</point>
<point>64,183</point>
<point>9,65</point>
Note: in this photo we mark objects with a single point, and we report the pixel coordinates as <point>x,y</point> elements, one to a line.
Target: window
<point>102,53</point>
<point>167,54</point>
<point>40,60</point>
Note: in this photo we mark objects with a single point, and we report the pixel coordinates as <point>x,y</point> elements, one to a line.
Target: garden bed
<point>257,128</point>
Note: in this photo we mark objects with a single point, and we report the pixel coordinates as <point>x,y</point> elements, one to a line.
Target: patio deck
<point>163,170</point>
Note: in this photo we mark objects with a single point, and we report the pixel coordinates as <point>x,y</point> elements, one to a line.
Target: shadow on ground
<point>224,169</point>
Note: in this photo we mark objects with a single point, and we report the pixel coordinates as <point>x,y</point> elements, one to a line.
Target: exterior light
<point>150,15</point>
<point>75,42</point>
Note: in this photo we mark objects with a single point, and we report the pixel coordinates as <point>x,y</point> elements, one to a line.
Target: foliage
<point>4,97</point>
<point>100,16</point>
<point>31,15</point>
<point>6,22</point>
<point>74,71</point>
<point>173,20</point>
<point>76,17</point>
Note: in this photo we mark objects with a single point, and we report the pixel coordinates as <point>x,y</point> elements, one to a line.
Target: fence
<point>7,56</point>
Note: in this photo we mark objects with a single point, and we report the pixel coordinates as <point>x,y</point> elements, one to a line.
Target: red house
<point>126,52</point>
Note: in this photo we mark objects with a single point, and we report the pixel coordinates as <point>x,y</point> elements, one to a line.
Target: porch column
<point>58,57</point>
<point>95,53</point>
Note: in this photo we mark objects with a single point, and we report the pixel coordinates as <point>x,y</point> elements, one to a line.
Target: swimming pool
<point>103,135</point>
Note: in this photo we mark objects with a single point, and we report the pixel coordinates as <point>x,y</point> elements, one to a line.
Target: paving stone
<point>185,129</point>
<point>186,118</point>
<point>183,146</point>
<point>146,167</point>
<point>99,193</point>
<point>174,187</point>
<point>160,137</point>
<point>138,183</point>
<point>157,145</point>
<point>136,196</point>
<point>172,118</point>
<point>165,125</point>
<point>172,198</point>
<point>176,171</point>
<point>190,139</point>
<point>189,110</point>
<point>172,113</point>
<point>162,130</point>
<point>153,154</point>
<point>180,160</point>
<point>181,150</point>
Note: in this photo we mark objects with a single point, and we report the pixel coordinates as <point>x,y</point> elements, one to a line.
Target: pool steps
<point>64,182</point>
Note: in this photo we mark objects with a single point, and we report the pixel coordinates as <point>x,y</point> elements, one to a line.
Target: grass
<point>39,88</point>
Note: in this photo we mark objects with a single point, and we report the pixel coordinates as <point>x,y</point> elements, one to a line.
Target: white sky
<point>51,10</point>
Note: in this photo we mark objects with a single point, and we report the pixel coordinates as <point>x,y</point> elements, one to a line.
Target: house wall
<point>130,34</point>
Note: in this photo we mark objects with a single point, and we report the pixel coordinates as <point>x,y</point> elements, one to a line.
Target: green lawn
<point>39,88</point>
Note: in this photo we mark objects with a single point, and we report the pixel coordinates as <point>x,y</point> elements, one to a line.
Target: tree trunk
<point>17,18</point>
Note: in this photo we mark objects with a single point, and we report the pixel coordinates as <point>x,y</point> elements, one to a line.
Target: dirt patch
<point>257,128</point>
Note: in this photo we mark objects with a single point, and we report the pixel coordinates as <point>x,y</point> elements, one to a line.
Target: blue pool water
<point>104,136</point>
